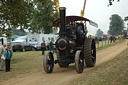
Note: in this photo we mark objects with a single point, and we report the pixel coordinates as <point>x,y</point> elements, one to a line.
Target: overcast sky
<point>97,11</point>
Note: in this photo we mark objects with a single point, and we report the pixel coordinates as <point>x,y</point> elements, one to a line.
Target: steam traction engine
<point>72,45</point>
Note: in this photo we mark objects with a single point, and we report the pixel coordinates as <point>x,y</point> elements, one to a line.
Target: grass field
<point>24,63</point>
<point>114,72</point>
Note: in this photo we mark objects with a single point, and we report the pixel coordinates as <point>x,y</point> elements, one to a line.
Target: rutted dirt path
<point>64,76</point>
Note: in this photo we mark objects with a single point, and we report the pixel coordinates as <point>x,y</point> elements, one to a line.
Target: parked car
<point>47,46</point>
<point>127,37</point>
<point>21,46</point>
<point>38,46</point>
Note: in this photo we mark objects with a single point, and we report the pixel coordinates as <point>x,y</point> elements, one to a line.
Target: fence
<point>105,43</point>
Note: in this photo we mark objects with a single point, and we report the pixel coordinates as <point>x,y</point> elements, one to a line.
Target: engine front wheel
<point>48,62</point>
<point>79,61</point>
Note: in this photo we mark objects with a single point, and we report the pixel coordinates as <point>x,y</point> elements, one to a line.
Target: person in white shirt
<point>2,57</point>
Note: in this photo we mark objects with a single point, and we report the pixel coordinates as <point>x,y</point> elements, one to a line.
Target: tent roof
<point>14,36</point>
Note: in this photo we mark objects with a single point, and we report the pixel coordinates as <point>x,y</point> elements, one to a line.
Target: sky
<point>97,11</point>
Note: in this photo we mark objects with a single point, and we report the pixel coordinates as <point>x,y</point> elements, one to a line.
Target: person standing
<point>8,55</point>
<point>51,46</point>
<point>2,57</point>
<point>43,47</point>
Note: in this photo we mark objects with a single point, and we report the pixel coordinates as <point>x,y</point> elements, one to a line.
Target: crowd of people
<point>5,57</point>
<point>112,38</point>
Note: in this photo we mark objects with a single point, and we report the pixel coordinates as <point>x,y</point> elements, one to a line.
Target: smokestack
<point>62,21</point>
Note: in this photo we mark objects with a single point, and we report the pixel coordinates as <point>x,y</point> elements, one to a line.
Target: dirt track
<point>64,76</point>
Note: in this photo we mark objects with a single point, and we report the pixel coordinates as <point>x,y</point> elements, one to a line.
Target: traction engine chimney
<point>62,21</point>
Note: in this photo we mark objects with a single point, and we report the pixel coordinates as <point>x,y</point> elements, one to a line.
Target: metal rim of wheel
<point>48,62</point>
<point>79,61</point>
<point>90,52</point>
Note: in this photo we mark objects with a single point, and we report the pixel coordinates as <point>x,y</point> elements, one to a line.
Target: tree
<point>99,32</point>
<point>116,25</point>
<point>43,17</point>
<point>19,13</point>
<point>14,13</point>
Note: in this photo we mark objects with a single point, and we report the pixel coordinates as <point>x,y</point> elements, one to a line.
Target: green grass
<point>114,72</point>
<point>23,63</point>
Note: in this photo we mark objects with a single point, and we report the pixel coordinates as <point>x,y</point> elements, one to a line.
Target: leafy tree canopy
<point>20,13</point>
<point>44,15</point>
<point>14,13</point>
<point>116,25</point>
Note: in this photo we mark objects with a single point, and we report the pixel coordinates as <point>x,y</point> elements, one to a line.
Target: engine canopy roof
<point>73,19</point>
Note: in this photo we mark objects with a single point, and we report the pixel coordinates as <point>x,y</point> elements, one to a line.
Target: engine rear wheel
<point>79,61</point>
<point>90,52</point>
<point>48,62</point>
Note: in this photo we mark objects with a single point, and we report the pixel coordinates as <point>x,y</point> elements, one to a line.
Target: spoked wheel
<point>48,62</point>
<point>90,52</point>
<point>79,61</point>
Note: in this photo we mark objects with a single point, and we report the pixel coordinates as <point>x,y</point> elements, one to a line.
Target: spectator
<point>51,46</point>
<point>114,38</point>
<point>43,47</point>
<point>2,57</point>
<point>8,55</point>
<point>111,39</point>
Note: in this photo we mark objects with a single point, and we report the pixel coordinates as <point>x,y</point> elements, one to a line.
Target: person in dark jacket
<point>43,47</point>
<point>8,55</point>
